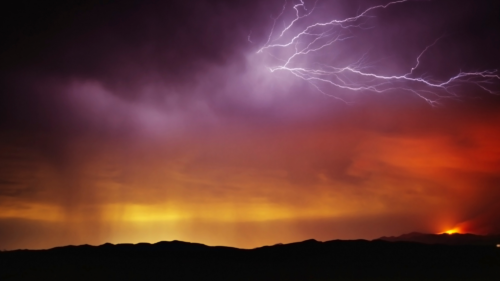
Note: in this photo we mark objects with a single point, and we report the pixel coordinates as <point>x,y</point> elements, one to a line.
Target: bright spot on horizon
<point>451,231</point>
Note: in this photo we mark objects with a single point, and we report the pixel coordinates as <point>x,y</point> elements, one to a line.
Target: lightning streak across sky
<point>302,41</point>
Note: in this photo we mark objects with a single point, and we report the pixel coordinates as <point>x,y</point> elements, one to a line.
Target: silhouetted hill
<point>160,246</point>
<point>447,239</point>
<point>307,260</point>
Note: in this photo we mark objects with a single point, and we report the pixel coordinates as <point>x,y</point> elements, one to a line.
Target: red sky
<point>125,122</point>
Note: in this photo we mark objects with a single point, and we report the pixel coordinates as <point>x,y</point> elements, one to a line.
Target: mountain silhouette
<point>447,239</point>
<point>379,259</point>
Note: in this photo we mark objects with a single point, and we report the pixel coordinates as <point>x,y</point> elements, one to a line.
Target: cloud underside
<point>159,127</point>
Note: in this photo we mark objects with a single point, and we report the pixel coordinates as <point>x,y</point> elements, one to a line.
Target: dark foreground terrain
<point>308,260</point>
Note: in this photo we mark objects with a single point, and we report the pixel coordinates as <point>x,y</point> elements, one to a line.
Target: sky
<point>241,123</point>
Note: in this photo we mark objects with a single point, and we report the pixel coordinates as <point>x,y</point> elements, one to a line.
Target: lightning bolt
<point>296,42</point>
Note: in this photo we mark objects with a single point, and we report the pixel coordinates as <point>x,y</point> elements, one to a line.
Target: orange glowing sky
<point>193,155</point>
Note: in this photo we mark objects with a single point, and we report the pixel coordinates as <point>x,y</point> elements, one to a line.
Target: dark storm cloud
<point>125,44</point>
<point>135,102</point>
<point>468,29</point>
<point>128,45</point>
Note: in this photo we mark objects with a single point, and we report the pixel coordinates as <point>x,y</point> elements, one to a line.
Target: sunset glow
<point>451,231</point>
<point>142,121</point>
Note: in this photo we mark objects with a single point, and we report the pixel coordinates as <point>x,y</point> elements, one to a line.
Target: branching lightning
<point>296,42</point>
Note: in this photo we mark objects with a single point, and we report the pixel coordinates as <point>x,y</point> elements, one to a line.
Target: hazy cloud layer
<point>121,119</point>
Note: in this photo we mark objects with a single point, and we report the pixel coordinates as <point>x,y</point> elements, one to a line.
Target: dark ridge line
<point>456,239</point>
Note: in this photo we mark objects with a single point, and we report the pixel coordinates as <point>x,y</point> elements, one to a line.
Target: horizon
<point>247,123</point>
<point>444,234</point>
